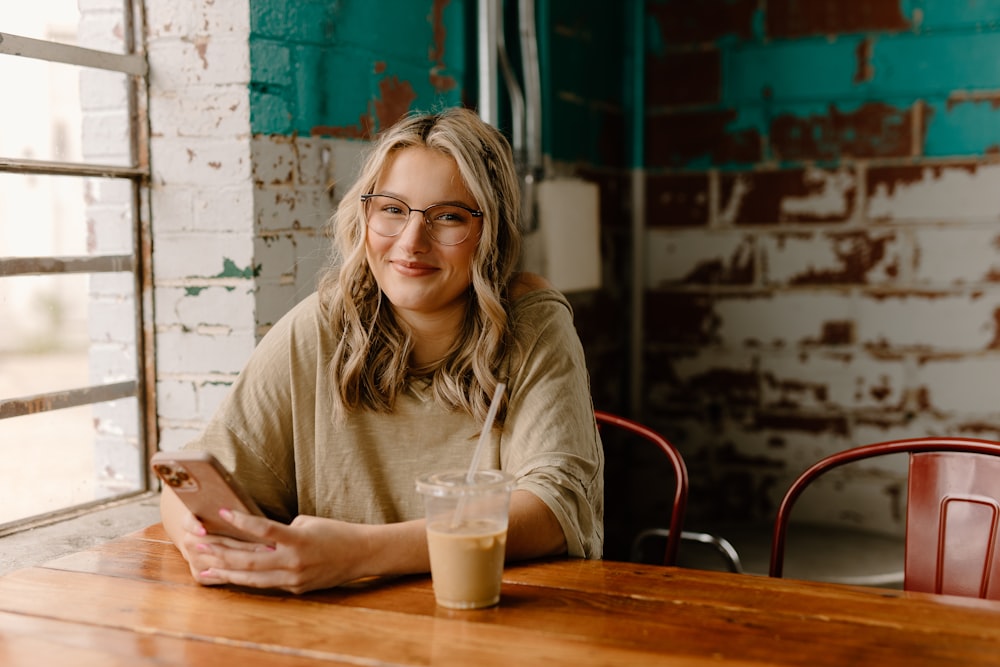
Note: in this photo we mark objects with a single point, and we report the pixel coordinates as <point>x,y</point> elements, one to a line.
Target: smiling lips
<point>413,269</point>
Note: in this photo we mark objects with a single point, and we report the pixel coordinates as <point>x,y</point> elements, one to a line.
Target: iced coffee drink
<point>466,535</point>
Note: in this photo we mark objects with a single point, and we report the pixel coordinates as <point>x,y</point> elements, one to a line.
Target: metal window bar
<point>134,65</point>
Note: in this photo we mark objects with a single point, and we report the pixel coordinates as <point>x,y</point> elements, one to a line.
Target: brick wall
<point>823,240</point>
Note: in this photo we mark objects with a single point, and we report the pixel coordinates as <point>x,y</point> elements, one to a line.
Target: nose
<point>415,236</point>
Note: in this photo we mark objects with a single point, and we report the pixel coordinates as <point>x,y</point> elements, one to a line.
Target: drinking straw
<point>470,477</point>
<point>491,414</point>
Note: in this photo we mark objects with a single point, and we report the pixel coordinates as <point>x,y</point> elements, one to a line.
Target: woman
<point>386,373</point>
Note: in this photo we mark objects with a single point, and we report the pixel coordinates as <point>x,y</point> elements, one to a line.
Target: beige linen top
<point>274,432</point>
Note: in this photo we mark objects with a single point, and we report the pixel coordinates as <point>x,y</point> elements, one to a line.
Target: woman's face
<point>421,277</point>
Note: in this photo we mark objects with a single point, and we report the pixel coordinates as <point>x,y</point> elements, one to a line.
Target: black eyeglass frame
<point>475,213</point>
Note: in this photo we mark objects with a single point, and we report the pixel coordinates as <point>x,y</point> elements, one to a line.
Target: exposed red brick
<point>995,343</point>
<point>799,18</point>
<point>678,139</point>
<point>676,200</point>
<point>783,421</point>
<point>838,332</point>
<point>818,390</point>
<point>732,386</point>
<point>683,77</point>
<point>874,130</point>
<point>611,142</point>
<point>679,318</point>
<point>761,200</point>
<point>859,252</point>
<point>973,97</point>
<point>739,269</point>
<point>396,99</point>
<point>865,71</point>
<point>891,176</point>
<point>685,22</point>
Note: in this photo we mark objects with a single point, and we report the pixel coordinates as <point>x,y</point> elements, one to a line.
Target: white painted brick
<point>102,30</point>
<point>273,301</point>
<point>180,63</point>
<point>230,309</point>
<point>174,209</point>
<point>183,353</point>
<point>111,284</point>
<point>313,258</point>
<point>302,208</point>
<point>814,381</point>
<point>969,385</point>
<point>176,399</point>
<point>115,193</point>
<point>210,395</point>
<point>831,198</point>
<point>111,363</point>
<point>784,319</point>
<point>274,160</point>
<point>944,194</point>
<point>315,155</point>
<point>110,230</point>
<point>174,258</point>
<point>345,164</point>
<point>102,90</point>
<point>671,256</point>
<point>938,322</point>
<point>819,258</point>
<point>226,209</point>
<point>112,321</point>
<point>174,438</point>
<point>221,111</point>
<point>200,162</point>
<point>956,255</point>
<point>275,255</point>
<point>176,18</point>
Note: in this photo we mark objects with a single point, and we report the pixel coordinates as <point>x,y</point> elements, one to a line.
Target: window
<point>75,430</point>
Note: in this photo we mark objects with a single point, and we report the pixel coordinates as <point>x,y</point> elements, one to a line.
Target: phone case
<point>205,486</point>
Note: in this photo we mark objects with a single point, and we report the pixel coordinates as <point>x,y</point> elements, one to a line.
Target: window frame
<point>133,64</point>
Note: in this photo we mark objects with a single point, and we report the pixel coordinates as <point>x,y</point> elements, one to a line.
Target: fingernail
<point>205,573</point>
<point>202,547</point>
<point>201,532</point>
<point>226,514</point>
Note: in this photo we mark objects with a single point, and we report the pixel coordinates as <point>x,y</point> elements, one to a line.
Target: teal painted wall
<point>348,69</point>
<point>787,81</point>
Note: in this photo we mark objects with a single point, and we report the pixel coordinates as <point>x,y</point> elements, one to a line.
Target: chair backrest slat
<point>952,518</point>
<point>680,473</point>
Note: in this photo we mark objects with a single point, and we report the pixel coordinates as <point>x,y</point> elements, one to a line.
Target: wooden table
<point>132,602</point>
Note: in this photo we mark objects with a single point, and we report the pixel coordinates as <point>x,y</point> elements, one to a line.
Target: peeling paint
<point>800,18</point>
<point>858,253</point>
<point>875,129</point>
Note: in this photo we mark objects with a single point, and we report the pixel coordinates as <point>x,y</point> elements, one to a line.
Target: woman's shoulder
<point>525,282</point>
<point>532,296</point>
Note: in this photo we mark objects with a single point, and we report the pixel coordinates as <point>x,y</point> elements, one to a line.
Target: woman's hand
<point>309,554</point>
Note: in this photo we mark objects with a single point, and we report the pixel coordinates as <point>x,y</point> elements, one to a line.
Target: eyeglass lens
<point>446,223</point>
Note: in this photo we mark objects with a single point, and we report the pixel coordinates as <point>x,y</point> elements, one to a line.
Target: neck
<point>433,335</point>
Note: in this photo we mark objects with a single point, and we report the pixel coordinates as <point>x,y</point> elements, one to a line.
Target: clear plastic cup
<point>466,535</point>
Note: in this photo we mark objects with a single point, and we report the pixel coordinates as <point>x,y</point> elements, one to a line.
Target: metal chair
<point>952,513</point>
<point>674,534</point>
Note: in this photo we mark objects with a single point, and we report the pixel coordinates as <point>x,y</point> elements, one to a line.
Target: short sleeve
<point>550,439</point>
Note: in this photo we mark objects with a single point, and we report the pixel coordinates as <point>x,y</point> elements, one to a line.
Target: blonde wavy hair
<point>371,365</point>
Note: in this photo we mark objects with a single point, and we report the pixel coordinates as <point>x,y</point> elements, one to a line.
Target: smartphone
<point>205,486</point>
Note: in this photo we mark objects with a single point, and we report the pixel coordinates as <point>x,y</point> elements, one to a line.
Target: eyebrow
<point>450,202</point>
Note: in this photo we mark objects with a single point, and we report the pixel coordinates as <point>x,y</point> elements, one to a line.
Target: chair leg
<point>722,545</point>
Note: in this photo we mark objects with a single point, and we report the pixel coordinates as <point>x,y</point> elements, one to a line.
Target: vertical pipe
<point>488,11</point>
<point>637,22</point>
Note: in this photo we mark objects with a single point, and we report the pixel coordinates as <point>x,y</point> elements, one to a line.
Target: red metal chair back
<point>680,474</point>
<point>952,513</point>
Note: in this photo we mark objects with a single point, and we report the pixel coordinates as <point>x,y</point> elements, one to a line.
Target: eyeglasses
<point>448,224</point>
